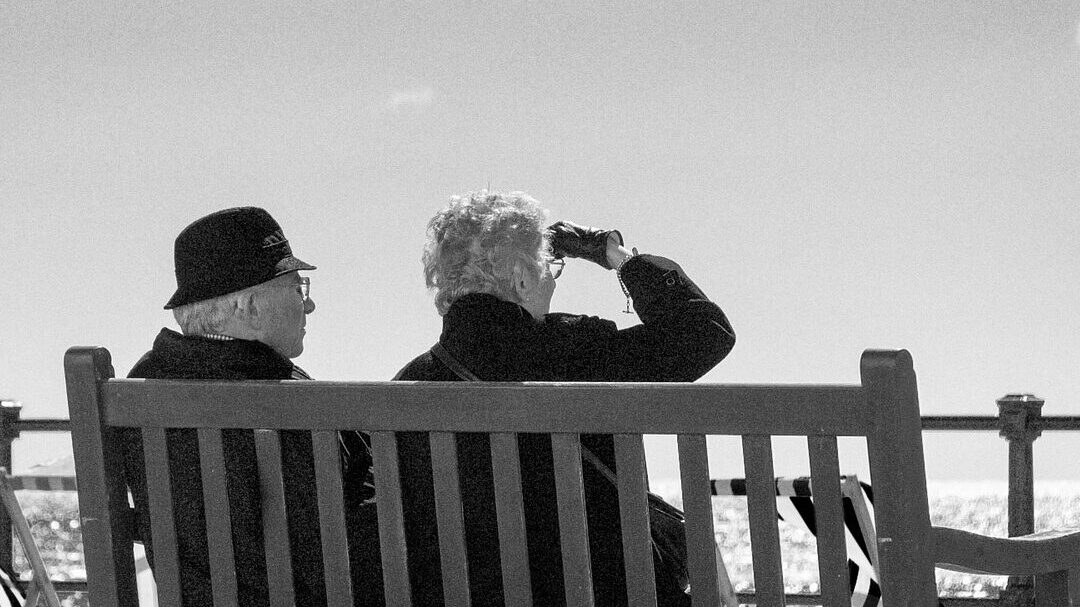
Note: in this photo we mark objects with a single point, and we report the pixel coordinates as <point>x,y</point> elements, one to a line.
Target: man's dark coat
<point>176,356</point>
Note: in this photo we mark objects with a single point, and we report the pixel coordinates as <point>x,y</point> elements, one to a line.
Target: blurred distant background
<point>836,175</point>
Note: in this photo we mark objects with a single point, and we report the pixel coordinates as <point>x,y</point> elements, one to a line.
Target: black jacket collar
<point>177,356</point>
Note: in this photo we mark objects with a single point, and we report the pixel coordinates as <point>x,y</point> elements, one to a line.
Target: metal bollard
<point>9,431</point>
<point>1021,424</point>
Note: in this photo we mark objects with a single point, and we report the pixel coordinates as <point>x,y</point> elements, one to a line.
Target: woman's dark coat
<point>681,337</point>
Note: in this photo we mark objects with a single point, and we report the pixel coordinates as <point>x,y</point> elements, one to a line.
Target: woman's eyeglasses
<point>555,267</point>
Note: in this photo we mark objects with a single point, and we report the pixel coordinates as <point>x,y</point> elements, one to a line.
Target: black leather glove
<point>571,240</point>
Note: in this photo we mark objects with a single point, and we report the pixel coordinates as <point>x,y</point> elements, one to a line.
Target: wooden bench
<point>884,409</point>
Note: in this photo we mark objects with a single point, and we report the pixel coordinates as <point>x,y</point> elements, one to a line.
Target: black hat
<point>229,251</point>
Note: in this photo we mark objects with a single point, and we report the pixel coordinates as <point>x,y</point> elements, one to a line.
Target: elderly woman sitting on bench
<point>493,265</point>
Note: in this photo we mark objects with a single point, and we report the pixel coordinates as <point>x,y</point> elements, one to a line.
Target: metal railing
<point>1019,421</point>
<point>11,427</point>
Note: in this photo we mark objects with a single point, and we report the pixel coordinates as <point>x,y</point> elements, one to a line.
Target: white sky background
<point>836,175</point>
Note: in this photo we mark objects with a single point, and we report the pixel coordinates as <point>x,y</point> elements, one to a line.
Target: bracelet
<point>618,272</point>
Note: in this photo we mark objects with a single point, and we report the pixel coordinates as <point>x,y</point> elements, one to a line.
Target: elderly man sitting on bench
<point>242,305</point>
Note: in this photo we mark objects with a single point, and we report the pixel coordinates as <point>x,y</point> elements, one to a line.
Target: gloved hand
<point>571,240</point>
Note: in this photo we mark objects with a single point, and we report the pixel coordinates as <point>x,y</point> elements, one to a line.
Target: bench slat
<point>499,407</point>
<point>761,507</point>
<point>218,519</point>
<point>335,550</point>
<point>391,520</point>
<point>634,513</point>
<point>275,524</point>
<point>162,526</point>
<point>700,536</point>
<point>573,528</point>
<point>829,520</point>
<point>455,569</point>
<point>510,511</point>
<point>1074,585</point>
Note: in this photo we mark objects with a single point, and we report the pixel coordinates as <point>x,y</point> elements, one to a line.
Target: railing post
<point>9,431</point>
<point>1021,424</point>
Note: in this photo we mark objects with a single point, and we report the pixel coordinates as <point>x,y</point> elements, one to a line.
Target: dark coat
<point>176,356</point>
<point>681,337</point>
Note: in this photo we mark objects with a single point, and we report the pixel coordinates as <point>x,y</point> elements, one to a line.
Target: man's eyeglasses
<point>555,267</point>
<point>304,287</point>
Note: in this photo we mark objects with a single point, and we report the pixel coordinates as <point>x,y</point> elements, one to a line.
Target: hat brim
<point>182,297</point>
<point>291,264</point>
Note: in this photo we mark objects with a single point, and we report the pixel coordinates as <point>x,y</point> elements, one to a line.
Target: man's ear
<point>248,310</point>
<point>525,282</point>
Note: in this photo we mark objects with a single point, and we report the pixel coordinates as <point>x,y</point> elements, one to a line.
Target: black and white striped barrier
<point>798,508</point>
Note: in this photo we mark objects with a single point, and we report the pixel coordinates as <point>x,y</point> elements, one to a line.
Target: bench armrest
<point>1034,554</point>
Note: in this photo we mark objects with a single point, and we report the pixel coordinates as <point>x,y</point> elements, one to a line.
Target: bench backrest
<point>884,409</point>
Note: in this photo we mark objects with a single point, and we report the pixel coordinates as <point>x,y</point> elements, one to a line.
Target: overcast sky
<point>836,175</point>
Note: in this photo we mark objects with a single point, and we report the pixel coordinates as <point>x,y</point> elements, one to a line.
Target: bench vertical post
<point>219,536</point>
<point>391,520</point>
<point>761,510</point>
<point>275,519</point>
<point>510,511</point>
<point>898,469</point>
<point>450,518</point>
<point>829,519</point>
<point>700,534</point>
<point>328,483</point>
<point>162,519</point>
<point>634,514</point>
<point>103,505</point>
<point>573,527</point>
<point>9,431</point>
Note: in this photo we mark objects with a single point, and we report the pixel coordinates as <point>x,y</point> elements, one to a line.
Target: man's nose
<point>309,305</point>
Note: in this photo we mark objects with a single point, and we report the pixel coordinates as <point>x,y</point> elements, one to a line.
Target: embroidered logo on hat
<point>274,239</point>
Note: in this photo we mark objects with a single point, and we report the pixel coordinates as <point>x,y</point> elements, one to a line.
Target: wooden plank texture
<point>700,536</point>
<point>218,520</point>
<point>1074,583</point>
<point>103,503</point>
<point>444,467</point>
<point>614,408</point>
<point>162,520</point>
<point>634,512</point>
<point>761,508</point>
<point>1044,551</point>
<point>510,510</point>
<point>335,550</point>
<point>275,524</point>
<point>391,520</point>
<point>573,529</point>
<point>884,409</point>
<point>898,469</point>
<point>829,519</point>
